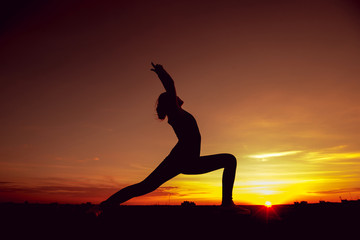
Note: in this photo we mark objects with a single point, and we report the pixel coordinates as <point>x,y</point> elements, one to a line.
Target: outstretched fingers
<point>153,69</point>
<point>156,67</point>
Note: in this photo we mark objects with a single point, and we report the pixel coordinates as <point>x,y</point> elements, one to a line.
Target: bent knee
<point>230,161</point>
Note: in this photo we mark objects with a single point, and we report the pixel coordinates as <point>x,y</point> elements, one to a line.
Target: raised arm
<point>165,79</point>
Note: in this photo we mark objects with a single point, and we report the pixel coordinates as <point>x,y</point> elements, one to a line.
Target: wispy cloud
<point>3,183</point>
<point>327,156</point>
<point>61,189</point>
<point>58,188</point>
<point>337,191</point>
<point>271,155</point>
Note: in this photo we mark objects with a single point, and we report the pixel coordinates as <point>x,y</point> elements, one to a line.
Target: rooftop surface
<point>299,221</point>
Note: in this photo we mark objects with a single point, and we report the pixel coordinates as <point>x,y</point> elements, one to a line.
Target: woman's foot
<point>227,204</point>
<point>98,210</point>
<point>232,207</point>
<point>94,210</point>
<point>108,206</point>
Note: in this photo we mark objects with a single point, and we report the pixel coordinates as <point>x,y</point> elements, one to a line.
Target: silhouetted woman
<point>185,156</point>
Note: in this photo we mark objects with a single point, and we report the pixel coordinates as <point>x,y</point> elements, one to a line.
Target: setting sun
<point>268,204</point>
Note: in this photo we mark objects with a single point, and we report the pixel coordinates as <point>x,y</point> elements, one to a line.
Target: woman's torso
<point>187,132</point>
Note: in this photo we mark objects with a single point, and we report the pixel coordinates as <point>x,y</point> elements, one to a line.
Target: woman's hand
<point>165,79</point>
<point>157,68</point>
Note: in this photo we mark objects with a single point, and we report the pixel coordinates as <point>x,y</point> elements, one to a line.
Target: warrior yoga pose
<point>185,156</point>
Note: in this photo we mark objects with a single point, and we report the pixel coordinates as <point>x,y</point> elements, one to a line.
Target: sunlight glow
<point>268,204</point>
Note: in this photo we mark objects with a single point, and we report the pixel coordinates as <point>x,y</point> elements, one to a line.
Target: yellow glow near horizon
<point>268,204</point>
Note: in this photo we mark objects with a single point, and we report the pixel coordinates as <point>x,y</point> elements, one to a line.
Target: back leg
<point>164,172</point>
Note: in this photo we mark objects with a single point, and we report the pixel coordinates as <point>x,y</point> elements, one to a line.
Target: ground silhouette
<point>302,221</point>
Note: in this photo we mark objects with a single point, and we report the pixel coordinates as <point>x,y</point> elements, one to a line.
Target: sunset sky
<point>276,83</point>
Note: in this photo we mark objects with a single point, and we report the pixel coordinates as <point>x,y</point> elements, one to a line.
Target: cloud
<point>72,159</point>
<point>326,156</point>
<point>58,189</point>
<point>337,191</point>
<point>278,154</point>
<point>164,192</point>
<point>6,182</point>
<point>53,189</point>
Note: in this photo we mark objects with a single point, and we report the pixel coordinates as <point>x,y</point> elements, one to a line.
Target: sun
<point>268,204</point>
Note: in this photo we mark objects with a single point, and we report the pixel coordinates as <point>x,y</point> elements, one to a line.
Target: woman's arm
<point>165,79</point>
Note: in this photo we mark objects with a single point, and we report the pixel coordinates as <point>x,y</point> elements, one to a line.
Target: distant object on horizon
<point>322,202</point>
<point>188,204</point>
<point>301,203</point>
<point>345,201</point>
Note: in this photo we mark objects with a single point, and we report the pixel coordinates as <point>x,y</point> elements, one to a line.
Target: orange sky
<point>276,84</point>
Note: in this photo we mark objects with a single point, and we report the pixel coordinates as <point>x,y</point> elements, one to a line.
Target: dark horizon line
<point>343,201</point>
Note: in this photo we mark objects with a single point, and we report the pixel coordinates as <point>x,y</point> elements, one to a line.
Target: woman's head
<point>165,105</point>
